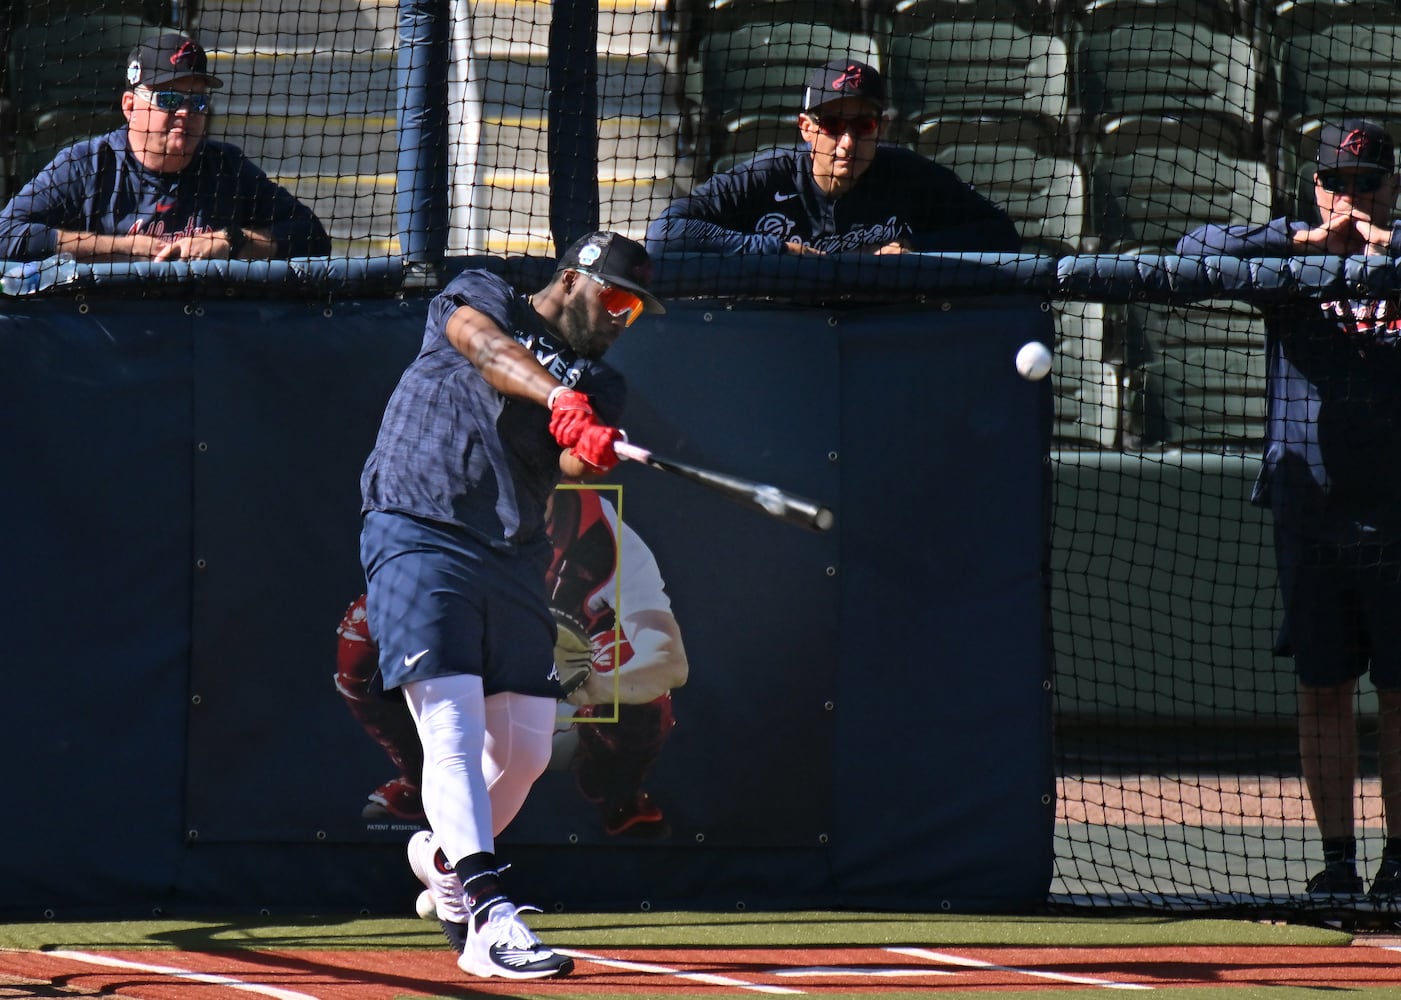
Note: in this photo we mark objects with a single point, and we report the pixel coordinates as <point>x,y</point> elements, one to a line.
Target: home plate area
<point>404,974</point>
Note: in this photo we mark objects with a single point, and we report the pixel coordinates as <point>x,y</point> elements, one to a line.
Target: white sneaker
<point>506,947</point>
<point>447,900</point>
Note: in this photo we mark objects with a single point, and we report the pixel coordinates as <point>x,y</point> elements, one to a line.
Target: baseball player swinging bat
<point>771,500</point>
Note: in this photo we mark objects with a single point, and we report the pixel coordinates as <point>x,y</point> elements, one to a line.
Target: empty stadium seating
<point>1350,67</point>
<point>1153,180</point>
<point>979,68</point>
<point>1014,162</point>
<point>722,16</point>
<point>1219,15</point>
<point>1087,386</point>
<point>910,17</point>
<point>1166,68</point>
<point>60,90</point>
<point>1203,381</point>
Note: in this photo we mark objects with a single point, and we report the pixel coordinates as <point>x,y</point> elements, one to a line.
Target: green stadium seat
<point>979,68</point>
<point>752,79</point>
<point>1166,68</point>
<point>1219,15</point>
<point>65,80</point>
<point>1351,68</point>
<point>1013,162</point>
<point>687,22</point>
<point>154,13</point>
<point>723,16</point>
<point>1283,21</point>
<point>1153,180</point>
<point>747,137</point>
<point>1087,387</point>
<point>1203,383</point>
<point>911,17</point>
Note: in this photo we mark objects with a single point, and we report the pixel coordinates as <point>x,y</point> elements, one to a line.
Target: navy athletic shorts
<point>1341,601</point>
<point>440,602</point>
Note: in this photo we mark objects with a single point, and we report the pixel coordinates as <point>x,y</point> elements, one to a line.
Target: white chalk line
<point>975,963</point>
<point>711,979</point>
<point>864,971</point>
<point>662,970</point>
<point>170,970</point>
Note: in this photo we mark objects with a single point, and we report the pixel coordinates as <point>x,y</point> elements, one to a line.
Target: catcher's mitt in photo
<point>573,652</point>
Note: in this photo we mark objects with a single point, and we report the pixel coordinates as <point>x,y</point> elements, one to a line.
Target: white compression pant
<point>480,757</point>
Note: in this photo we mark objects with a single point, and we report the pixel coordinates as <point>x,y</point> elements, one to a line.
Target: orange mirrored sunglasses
<point>618,301</point>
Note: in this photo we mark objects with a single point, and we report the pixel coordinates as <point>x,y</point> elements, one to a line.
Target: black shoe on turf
<point>1338,879</point>
<point>1387,884</point>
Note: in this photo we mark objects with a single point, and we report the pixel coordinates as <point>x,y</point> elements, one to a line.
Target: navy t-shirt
<point>99,186</point>
<point>452,449</point>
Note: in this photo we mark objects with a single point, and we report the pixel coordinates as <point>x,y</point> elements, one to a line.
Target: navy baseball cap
<point>844,78</point>
<point>166,58</point>
<point>1355,144</point>
<point>617,260</point>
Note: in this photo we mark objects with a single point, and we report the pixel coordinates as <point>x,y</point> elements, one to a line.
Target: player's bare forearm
<point>658,664</point>
<point>574,467</point>
<point>101,246</point>
<point>258,244</point>
<point>507,367</point>
<point>600,689</point>
<point>1335,235</point>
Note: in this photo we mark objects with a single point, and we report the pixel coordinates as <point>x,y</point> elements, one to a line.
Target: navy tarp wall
<point>867,720</point>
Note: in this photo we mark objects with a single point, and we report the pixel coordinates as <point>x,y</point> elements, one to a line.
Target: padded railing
<point>1165,278</point>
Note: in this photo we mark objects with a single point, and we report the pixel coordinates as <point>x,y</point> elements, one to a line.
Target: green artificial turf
<point>679,929</point>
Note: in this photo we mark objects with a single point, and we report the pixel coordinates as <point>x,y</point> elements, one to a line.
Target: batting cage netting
<point>431,130</point>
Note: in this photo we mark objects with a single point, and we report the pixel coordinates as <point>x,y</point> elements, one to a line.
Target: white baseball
<point>1033,361</point>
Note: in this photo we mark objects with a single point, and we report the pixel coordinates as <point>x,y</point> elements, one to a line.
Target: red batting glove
<point>595,446</point>
<point>570,415</point>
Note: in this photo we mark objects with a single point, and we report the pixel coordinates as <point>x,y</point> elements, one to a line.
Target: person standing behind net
<point>508,393</point>
<point>842,191</point>
<point>158,188</point>
<point>1332,479</point>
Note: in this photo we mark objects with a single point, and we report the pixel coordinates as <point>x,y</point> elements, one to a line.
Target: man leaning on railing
<point>841,191</point>
<point>158,189</point>
<point>1332,479</point>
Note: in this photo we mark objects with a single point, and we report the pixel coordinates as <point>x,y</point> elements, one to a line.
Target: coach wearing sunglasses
<point>1332,480</point>
<point>158,188</point>
<point>841,191</point>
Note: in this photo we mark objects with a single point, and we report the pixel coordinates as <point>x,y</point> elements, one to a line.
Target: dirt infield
<point>1199,800</point>
<point>401,974</point>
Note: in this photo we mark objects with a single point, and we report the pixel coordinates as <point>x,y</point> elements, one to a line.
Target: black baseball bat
<point>771,500</point>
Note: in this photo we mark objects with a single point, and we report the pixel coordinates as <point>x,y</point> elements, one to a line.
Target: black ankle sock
<point>1339,851</point>
<point>483,884</point>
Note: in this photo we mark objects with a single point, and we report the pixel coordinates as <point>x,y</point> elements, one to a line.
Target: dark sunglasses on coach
<point>171,101</point>
<point>1359,183</point>
<point>860,126</point>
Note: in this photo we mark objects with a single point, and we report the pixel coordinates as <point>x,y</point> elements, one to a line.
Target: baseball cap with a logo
<point>1355,144</point>
<point>844,78</point>
<point>168,57</point>
<point>617,260</point>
